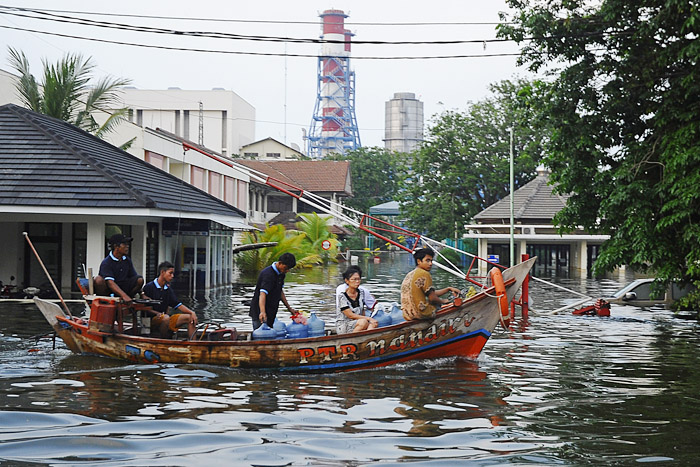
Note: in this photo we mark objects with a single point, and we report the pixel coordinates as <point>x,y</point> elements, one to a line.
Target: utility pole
<point>512,228</point>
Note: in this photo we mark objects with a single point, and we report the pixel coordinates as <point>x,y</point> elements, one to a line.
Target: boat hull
<point>456,331</point>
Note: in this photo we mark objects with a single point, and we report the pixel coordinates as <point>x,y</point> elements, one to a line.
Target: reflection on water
<point>556,389</point>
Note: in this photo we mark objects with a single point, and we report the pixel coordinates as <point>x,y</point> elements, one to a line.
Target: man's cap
<point>117,239</point>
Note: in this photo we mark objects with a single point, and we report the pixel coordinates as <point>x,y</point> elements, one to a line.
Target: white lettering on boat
<point>408,340</point>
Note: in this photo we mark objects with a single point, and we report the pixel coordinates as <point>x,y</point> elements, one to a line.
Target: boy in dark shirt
<point>268,292</point>
<point>159,289</point>
<point>117,273</point>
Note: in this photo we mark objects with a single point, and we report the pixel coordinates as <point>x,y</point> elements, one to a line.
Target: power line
<point>223,35</point>
<point>265,54</point>
<point>253,21</point>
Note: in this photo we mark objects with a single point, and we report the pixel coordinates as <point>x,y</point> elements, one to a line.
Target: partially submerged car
<point>642,292</point>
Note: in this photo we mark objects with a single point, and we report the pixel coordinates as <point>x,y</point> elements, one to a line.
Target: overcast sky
<point>283,89</point>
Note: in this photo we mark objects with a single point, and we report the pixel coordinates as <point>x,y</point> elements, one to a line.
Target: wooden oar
<point>55,289</point>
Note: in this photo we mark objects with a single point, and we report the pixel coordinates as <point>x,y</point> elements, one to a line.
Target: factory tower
<point>334,125</point>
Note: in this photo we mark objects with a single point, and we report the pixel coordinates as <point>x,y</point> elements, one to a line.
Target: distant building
<point>8,92</point>
<point>534,206</point>
<point>227,121</point>
<point>269,149</point>
<point>403,127</point>
<point>327,179</point>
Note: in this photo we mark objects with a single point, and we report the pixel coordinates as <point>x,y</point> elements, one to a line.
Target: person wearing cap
<point>117,274</point>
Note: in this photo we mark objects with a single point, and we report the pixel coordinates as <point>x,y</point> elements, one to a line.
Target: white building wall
<point>8,94</point>
<point>228,120</point>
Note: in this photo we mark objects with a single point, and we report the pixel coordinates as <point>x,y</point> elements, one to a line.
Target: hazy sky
<point>283,90</point>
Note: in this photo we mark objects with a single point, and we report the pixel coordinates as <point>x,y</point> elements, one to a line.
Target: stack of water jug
<point>384,318</point>
<point>314,327</point>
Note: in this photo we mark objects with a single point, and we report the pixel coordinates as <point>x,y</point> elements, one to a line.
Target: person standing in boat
<point>117,274</point>
<point>352,310</point>
<point>166,322</point>
<point>268,291</point>
<point>418,296</point>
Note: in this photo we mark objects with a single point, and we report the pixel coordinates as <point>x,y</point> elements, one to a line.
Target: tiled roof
<point>48,162</point>
<point>315,176</point>
<point>534,202</point>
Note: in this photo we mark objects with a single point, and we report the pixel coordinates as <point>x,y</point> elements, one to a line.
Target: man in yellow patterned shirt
<point>418,296</point>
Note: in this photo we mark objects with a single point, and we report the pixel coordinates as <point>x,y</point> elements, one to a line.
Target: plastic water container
<point>297,330</point>
<point>382,318</point>
<point>317,327</point>
<point>396,314</point>
<point>264,333</point>
<point>279,328</point>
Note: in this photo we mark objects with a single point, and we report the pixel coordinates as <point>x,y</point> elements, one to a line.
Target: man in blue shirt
<point>117,273</point>
<point>268,291</point>
<point>159,289</point>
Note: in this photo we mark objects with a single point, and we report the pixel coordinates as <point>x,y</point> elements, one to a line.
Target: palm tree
<point>65,92</point>
<point>317,230</point>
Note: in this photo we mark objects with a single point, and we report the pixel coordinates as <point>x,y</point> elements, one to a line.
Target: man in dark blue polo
<point>117,273</point>
<point>268,291</point>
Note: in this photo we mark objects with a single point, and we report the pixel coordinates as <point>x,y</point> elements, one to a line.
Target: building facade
<point>71,191</point>
<point>218,119</point>
<point>534,207</point>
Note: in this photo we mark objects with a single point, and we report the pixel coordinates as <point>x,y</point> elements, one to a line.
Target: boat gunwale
<point>75,324</point>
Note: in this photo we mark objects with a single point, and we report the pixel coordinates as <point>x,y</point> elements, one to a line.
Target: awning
<point>235,224</point>
<point>390,208</point>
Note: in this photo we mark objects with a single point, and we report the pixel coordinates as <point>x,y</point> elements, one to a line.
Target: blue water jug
<point>317,327</point>
<point>279,328</point>
<point>297,330</point>
<point>264,332</point>
<point>382,318</point>
<point>396,314</point>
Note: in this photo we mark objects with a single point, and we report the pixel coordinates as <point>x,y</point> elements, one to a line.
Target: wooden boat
<point>459,329</point>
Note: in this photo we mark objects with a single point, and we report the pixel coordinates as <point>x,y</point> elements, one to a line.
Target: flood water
<point>553,389</point>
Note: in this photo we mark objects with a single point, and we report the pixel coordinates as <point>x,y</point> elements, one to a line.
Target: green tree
<point>65,92</point>
<point>253,261</point>
<point>316,230</point>
<point>463,166</point>
<point>375,173</point>
<point>623,105</point>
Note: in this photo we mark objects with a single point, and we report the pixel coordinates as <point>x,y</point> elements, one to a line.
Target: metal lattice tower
<point>334,125</point>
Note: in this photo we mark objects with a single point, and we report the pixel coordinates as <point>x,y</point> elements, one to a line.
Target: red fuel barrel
<point>102,314</point>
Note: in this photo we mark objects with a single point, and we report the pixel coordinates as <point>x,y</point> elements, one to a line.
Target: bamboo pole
<point>55,289</point>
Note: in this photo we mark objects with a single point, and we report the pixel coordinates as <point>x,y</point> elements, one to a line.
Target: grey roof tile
<point>48,162</point>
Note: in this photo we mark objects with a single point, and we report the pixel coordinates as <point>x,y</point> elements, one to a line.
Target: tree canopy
<point>65,92</point>
<point>375,174</point>
<point>623,108</point>
<point>463,165</point>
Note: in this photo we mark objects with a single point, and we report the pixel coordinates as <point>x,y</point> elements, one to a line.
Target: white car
<point>642,293</point>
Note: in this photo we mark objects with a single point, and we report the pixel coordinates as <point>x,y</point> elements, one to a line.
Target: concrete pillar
<point>483,253</point>
<point>522,249</point>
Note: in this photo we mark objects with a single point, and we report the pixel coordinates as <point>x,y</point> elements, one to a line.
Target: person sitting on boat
<point>268,291</point>
<point>167,323</point>
<point>351,311</point>
<point>117,274</point>
<point>418,296</point>
<point>370,301</point>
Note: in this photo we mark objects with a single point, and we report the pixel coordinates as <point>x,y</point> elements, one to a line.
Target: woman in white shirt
<point>352,312</point>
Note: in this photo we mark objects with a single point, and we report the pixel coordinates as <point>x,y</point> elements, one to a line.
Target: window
<point>274,155</point>
<point>250,155</point>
